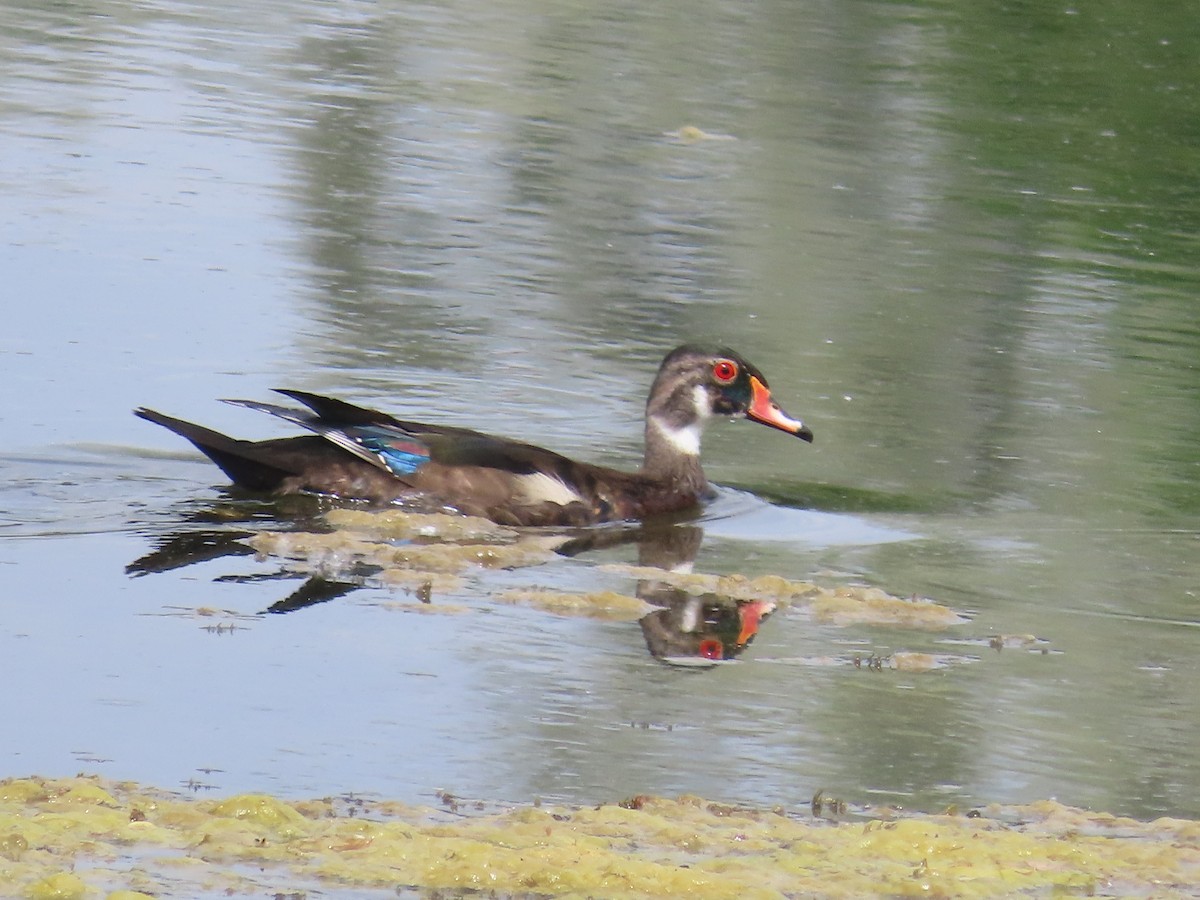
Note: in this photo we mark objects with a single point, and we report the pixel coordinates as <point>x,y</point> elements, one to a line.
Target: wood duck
<point>358,453</point>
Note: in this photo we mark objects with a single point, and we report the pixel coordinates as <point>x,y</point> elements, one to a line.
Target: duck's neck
<point>673,451</point>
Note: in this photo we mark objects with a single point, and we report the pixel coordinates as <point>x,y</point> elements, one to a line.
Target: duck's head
<point>695,383</point>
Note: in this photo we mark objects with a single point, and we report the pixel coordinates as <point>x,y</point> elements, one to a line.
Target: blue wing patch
<point>400,453</point>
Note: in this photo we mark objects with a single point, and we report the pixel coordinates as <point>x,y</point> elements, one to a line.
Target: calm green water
<point>960,239</point>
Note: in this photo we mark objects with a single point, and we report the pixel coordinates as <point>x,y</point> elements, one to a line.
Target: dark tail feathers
<point>243,461</point>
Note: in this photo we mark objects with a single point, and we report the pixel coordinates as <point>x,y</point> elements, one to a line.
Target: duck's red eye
<point>711,648</point>
<point>725,370</point>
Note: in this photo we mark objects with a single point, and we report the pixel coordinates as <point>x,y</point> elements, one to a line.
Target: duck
<point>356,453</point>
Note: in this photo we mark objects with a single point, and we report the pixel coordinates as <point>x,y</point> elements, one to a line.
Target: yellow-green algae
<point>80,837</point>
<point>419,550</point>
<point>398,524</point>
<point>593,604</point>
<point>691,134</point>
<point>344,548</point>
<point>843,605</point>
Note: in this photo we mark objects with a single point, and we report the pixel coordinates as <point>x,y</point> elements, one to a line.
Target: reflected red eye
<point>725,370</point>
<point>711,648</point>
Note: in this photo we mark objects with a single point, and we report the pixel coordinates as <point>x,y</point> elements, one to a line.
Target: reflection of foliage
<point>1092,92</point>
<point>1081,126</point>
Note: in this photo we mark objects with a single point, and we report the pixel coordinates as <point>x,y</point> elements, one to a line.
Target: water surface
<point>960,241</point>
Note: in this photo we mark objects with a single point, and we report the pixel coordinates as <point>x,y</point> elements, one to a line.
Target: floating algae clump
<point>263,811</point>
<point>595,604</point>
<point>729,587</point>
<point>415,550</point>
<point>344,550</point>
<point>149,842</point>
<point>396,524</point>
<point>60,886</point>
<point>844,605</point>
<point>871,606</point>
<point>406,547</point>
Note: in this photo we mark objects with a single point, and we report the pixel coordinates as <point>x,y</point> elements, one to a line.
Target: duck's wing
<point>402,447</point>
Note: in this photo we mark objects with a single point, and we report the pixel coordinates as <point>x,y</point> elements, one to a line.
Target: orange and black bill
<point>764,409</point>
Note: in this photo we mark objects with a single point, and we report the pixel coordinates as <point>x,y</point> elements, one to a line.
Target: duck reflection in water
<point>689,629</point>
<point>686,629</point>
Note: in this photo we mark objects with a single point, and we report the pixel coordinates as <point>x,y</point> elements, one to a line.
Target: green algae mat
<point>84,837</point>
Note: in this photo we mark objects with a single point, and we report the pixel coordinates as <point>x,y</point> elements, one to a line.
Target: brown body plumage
<point>364,454</point>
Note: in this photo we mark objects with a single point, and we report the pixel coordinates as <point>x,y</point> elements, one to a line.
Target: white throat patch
<point>686,439</point>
